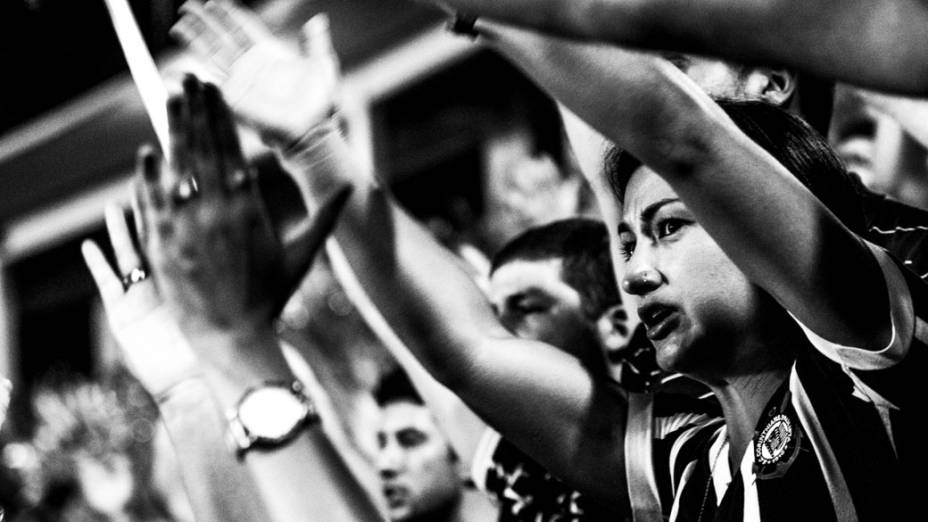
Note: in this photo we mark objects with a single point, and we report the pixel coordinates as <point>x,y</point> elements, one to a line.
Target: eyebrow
<point>647,215</point>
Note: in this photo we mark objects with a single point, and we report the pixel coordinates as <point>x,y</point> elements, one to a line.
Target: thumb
<point>303,243</point>
<point>316,46</point>
<point>316,38</point>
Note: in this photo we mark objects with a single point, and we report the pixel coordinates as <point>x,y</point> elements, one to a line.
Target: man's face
<point>721,79</point>
<point>533,302</point>
<point>416,465</point>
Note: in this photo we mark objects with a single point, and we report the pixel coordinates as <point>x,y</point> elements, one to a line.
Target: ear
<point>614,328</point>
<point>775,86</point>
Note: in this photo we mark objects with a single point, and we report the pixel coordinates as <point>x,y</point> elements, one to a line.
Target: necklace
<point>709,482</point>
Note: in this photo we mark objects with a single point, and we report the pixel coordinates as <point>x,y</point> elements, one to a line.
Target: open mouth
<point>395,495</point>
<point>659,320</point>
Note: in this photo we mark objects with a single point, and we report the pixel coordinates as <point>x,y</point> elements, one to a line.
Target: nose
<point>389,461</point>
<point>641,279</point>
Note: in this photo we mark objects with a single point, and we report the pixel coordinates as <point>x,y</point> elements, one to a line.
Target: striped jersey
<point>837,441</point>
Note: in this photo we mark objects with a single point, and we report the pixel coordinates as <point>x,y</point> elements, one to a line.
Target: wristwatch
<point>270,415</point>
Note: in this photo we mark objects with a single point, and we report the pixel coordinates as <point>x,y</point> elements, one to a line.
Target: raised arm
<point>537,396</point>
<point>649,108</point>
<point>155,351</point>
<point>221,273</point>
<point>877,43</point>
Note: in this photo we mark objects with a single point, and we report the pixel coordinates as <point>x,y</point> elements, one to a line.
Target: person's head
<point>554,283</point>
<point>699,308</point>
<point>417,466</point>
<point>806,96</point>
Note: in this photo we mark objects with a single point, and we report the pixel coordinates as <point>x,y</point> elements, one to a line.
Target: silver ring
<point>185,190</point>
<point>136,275</point>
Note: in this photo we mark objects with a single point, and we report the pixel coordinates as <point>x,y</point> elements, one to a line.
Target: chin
<point>399,513</point>
<point>678,354</point>
<point>669,354</point>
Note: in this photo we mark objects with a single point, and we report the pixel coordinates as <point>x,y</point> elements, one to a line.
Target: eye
<point>410,438</point>
<point>523,304</point>
<point>626,245</point>
<point>528,307</point>
<point>667,227</point>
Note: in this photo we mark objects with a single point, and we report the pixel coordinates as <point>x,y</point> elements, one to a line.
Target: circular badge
<point>772,445</point>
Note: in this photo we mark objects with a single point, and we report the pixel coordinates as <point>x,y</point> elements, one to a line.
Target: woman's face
<point>697,306</point>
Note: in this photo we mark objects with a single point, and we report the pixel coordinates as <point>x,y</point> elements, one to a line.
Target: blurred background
<point>468,145</point>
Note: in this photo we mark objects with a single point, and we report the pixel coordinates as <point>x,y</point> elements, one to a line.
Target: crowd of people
<point>738,336</point>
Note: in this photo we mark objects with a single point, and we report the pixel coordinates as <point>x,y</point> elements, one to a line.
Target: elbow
<point>465,373</point>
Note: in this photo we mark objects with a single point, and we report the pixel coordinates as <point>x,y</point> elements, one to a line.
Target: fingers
<point>180,160</point>
<point>146,199</point>
<point>108,284</point>
<point>207,169</point>
<point>127,257</point>
<point>208,36</point>
<point>213,152</point>
<point>201,37</point>
<point>239,26</point>
<point>316,42</point>
<point>316,37</point>
<point>138,213</point>
<point>231,161</point>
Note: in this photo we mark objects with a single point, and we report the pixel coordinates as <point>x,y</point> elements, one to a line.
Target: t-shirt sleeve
<point>886,375</point>
<point>523,489</point>
<point>901,314</point>
<point>483,458</point>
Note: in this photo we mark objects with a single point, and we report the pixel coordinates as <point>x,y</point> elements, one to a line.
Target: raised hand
<point>279,91</point>
<point>151,345</point>
<point>219,265</point>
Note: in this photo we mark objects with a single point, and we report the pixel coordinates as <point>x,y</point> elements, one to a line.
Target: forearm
<point>420,288</point>
<point>537,396</point>
<point>218,487</point>
<point>647,107</point>
<point>462,426</point>
<point>305,479</point>
<point>637,101</point>
<point>880,43</point>
<point>875,43</point>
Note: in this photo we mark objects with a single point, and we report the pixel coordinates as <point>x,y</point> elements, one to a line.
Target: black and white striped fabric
<point>838,441</point>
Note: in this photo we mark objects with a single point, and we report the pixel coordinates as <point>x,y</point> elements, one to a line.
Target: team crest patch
<point>773,440</point>
<point>776,447</point>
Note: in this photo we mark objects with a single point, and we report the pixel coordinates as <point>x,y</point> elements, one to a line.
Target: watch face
<point>272,412</point>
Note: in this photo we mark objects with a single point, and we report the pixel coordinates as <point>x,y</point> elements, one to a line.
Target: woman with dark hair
<point>797,420</point>
<point>737,241</point>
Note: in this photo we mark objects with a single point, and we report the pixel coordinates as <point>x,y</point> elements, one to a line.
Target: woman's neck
<point>762,363</point>
<point>743,399</point>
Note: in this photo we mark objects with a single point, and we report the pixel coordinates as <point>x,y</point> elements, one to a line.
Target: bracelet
<point>328,124</point>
